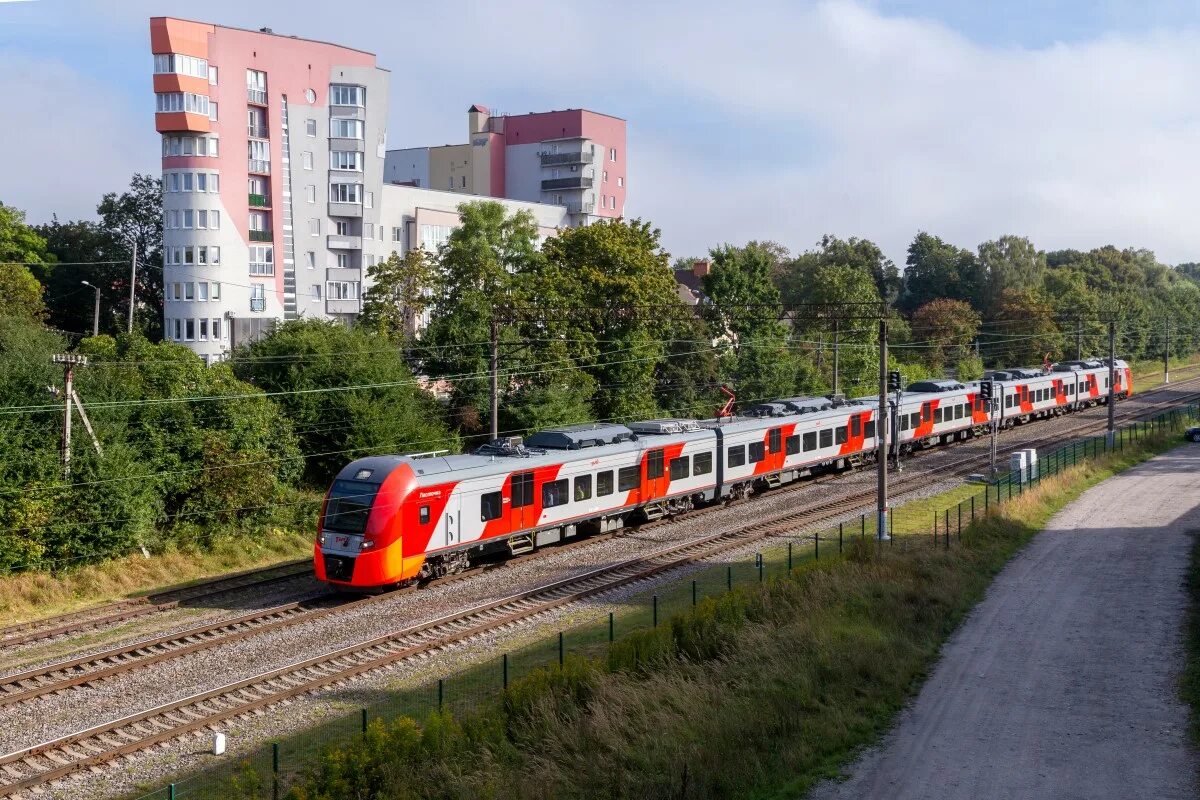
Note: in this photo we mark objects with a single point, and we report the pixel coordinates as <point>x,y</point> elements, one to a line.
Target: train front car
<point>359,542</point>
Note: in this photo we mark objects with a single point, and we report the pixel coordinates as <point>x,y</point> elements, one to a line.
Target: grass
<point>1190,682</point>
<point>792,675</point>
<point>1148,374</point>
<point>31,595</point>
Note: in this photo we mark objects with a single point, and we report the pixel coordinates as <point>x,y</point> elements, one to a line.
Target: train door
<point>451,522</point>
<point>524,510</point>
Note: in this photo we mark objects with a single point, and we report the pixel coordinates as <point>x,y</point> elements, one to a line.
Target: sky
<point>1076,123</point>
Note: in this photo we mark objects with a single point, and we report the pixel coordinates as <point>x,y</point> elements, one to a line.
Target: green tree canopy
<point>935,270</point>
<point>944,331</point>
<point>399,293</point>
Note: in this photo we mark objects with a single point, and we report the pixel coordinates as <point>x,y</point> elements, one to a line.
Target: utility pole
<point>1167,350</point>
<point>835,355</point>
<point>69,362</point>
<point>1112,380</point>
<point>495,375</point>
<point>132,283</point>
<point>881,503</point>
<point>96,311</point>
<point>1078,339</point>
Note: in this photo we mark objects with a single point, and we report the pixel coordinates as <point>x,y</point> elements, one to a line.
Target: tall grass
<point>759,692</point>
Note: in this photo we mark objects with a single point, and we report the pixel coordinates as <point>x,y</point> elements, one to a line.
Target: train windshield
<point>349,506</point>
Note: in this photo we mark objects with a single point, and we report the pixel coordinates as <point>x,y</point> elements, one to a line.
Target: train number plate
<point>342,541</point>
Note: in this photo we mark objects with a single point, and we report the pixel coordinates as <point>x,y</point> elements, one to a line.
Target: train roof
<point>577,437</point>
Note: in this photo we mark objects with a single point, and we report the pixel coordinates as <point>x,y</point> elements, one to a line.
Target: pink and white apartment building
<point>574,158</point>
<point>275,200</point>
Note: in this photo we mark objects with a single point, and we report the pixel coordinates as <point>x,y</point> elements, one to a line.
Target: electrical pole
<point>881,503</point>
<point>835,355</point>
<point>68,361</point>
<point>132,283</point>
<point>1167,350</point>
<point>1112,379</point>
<point>1078,339</point>
<point>96,311</point>
<point>495,375</point>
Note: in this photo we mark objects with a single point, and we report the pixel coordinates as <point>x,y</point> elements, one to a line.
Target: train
<point>397,519</point>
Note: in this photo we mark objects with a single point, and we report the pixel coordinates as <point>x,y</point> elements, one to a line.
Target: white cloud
<point>67,139</point>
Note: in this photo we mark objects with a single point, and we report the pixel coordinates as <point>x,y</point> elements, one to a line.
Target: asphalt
<point>1063,682</point>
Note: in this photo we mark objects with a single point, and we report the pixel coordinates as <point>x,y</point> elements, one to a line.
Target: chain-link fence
<point>267,772</point>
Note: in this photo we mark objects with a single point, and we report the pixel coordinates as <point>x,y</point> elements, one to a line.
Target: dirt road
<point>1062,682</point>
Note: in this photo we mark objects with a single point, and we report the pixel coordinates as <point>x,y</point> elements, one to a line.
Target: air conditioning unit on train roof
<point>805,405</point>
<point>941,385</point>
<point>767,410</point>
<point>653,427</point>
<point>577,437</point>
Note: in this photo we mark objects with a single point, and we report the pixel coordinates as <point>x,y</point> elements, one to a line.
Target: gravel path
<point>1063,682</point>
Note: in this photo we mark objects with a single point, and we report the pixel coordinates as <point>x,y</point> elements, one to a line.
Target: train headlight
<point>321,540</point>
<point>366,543</point>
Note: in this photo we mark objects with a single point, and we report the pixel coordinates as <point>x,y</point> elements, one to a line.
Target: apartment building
<point>574,158</point>
<point>272,154</point>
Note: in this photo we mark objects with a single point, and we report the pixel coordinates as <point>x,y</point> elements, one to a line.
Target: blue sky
<point>1076,123</point>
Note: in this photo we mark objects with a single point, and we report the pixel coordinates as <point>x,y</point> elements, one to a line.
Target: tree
<point>398,295</point>
<point>1010,262</point>
<point>860,254</point>
<point>476,278</point>
<point>935,269</point>
<point>20,293</point>
<point>19,243</point>
<point>944,330</point>
<point>79,250</point>
<point>135,218</point>
<point>1025,333</point>
<point>387,412</point>
<point>615,289</point>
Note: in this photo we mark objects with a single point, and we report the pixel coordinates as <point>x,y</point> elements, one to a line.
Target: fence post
<point>171,792</point>
<point>611,628</point>
<point>441,693</point>
<point>839,537</point>
<point>275,770</point>
<point>789,556</point>
<point>562,655</point>
<point>729,577</point>
<point>504,663</point>
<point>947,529</point>
<point>891,525</point>
<point>862,518</point>
<point>693,594</point>
<point>987,493</point>
<point>654,605</point>
<point>959,519</point>
<point>364,722</point>
<point>972,508</point>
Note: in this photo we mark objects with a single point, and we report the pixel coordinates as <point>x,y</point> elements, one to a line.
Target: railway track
<point>124,610</point>
<point>53,760</point>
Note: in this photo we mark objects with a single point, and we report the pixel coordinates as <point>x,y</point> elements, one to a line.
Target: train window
<point>679,468</point>
<point>604,483</point>
<point>810,441</point>
<point>737,456</point>
<point>915,417</point>
<point>583,487</point>
<point>958,412</point>
<point>702,464</point>
<point>775,440</point>
<point>756,452</point>
<point>937,415</point>
<point>1008,401</point>
<point>349,506</point>
<point>629,478</point>
<point>491,505</point>
<point>554,493</point>
<point>927,412</point>
<point>840,434</point>
<point>793,445</point>
<point>855,427</point>
<point>424,516</point>
<point>869,430</point>
<point>904,422</point>
<point>654,464</point>
<point>522,489</point>
<point>827,437</point>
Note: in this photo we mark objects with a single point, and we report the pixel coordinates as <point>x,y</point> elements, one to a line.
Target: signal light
<point>893,381</point>
<point>985,390</point>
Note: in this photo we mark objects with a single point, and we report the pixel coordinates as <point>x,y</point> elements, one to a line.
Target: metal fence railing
<point>267,772</point>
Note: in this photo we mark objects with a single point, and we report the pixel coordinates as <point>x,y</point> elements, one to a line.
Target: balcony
<point>257,131</point>
<point>555,159</point>
<point>256,96</point>
<point>336,242</point>
<point>260,201</point>
<point>261,236</point>
<point>334,305</point>
<point>555,184</point>
<point>581,208</point>
<point>259,167</point>
<point>258,303</point>
<point>260,269</point>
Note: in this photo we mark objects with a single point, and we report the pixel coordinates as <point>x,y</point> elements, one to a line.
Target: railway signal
<point>893,381</point>
<point>985,392</point>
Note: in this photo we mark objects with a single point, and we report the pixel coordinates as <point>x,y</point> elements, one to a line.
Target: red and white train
<point>391,519</point>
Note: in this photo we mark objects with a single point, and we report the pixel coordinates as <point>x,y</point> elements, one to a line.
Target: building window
<point>368,230</point>
<point>306,159</point>
<point>620,181</point>
<point>213,182</point>
<point>345,192</point>
<point>177,329</point>
<point>201,182</point>
<point>343,290</point>
<point>342,128</point>
<point>612,201</point>
<point>612,154</point>
<point>187,182</point>
<point>606,176</point>
<point>310,259</point>
<point>258,291</point>
<point>316,292</point>
<point>181,101</point>
<point>340,95</point>
<point>310,127</point>
<point>310,194</point>
<point>396,233</point>
<point>314,227</point>
<point>258,221</point>
<point>463,183</point>
<point>204,329</point>
<point>202,291</point>
<point>202,217</point>
<point>212,111</point>
<point>216,328</point>
<point>212,75</point>
<point>174,182</point>
<point>216,291</point>
<point>350,160</point>
<point>184,65</point>
<point>341,228</point>
<point>214,220</point>
<point>342,260</point>
<point>369,199</point>
<point>189,330</point>
<point>262,260</point>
